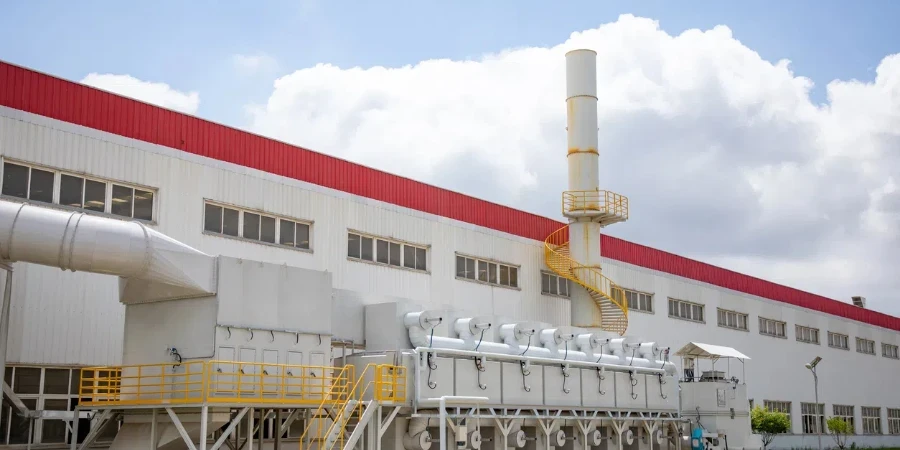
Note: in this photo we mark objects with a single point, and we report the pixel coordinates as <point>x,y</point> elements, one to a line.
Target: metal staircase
<point>605,208</point>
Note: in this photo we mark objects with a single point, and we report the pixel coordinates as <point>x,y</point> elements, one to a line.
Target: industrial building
<point>361,237</point>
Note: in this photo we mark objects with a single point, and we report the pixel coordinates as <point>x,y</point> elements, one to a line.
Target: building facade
<point>224,191</point>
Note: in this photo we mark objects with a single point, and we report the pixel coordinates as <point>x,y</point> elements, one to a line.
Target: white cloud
<point>251,64</point>
<point>722,153</point>
<point>156,93</point>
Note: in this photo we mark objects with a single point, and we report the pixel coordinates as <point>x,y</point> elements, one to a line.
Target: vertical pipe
<point>204,419</point>
<point>4,326</point>
<point>250,432</point>
<point>278,429</point>
<point>154,434</point>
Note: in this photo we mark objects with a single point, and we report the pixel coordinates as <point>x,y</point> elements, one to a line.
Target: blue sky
<point>189,45</point>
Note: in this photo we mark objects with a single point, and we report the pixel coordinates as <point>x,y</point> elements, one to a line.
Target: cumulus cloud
<point>160,94</point>
<point>251,64</point>
<point>723,155</point>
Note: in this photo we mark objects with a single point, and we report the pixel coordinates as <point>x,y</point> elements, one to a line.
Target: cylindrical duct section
<point>581,123</point>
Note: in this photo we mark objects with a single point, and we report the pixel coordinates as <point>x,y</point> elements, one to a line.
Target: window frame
<point>863,342</point>
<point>108,184</point>
<point>834,335</point>
<point>841,412</point>
<point>893,421</point>
<point>690,306</point>
<point>798,334</point>
<point>724,313</point>
<point>894,354</point>
<point>240,226</point>
<point>781,406</point>
<point>390,242</point>
<point>488,263</point>
<point>552,276</point>
<point>871,424</point>
<point>774,322</point>
<point>812,422</point>
<point>640,295</point>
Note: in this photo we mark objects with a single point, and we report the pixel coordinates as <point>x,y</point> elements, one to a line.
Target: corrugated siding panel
<point>52,97</point>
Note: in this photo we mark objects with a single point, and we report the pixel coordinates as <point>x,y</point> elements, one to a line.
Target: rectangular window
<point>486,271</point>
<point>893,420</point>
<point>681,309</point>
<point>75,191</point>
<point>866,346</point>
<point>778,406</point>
<point>732,319</point>
<point>552,284</point>
<point>49,389</point>
<point>771,327</point>
<point>639,301</point>
<point>813,416</point>
<point>845,412</point>
<point>807,334</point>
<point>257,227</point>
<point>890,351</point>
<point>871,418</point>
<point>385,251</point>
<point>837,340</point>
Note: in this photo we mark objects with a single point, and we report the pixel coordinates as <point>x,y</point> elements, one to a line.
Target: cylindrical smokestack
<point>581,120</point>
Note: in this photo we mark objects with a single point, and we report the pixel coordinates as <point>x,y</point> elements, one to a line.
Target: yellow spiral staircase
<point>606,208</point>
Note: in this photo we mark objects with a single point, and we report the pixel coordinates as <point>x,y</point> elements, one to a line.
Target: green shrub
<point>768,423</point>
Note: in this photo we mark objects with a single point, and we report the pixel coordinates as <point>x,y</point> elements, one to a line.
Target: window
<point>890,351</point>
<point>837,340</point>
<point>639,301</point>
<point>871,418</point>
<point>866,346</point>
<point>778,406</point>
<point>732,319</point>
<point>845,412</point>
<point>254,226</point>
<point>771,327</point>
<point>807,334</point>
<point>491,272</point>
<point>49,389</point>
<point>552,284</point>
<point>385,251</point>
<point>813,416</point>
<point>893,423</point>
<point>76,191</point>
<point>681,309</point>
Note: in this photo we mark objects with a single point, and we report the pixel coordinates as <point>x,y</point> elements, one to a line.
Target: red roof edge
<point>46,95</point>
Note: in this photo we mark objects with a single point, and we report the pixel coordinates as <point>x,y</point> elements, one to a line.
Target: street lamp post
<point>812,368</point>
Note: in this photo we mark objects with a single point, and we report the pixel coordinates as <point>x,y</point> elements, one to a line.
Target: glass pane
<point>470,268</point>
<point>514,276</point>
<point>383,251</point>
<point>395,254</point>
<point>267,230</point>
<point>230,221</point>
<point>54,431</point>
<point>492,273</point>
<point>460,267</point>
<point>76,380</point>
<point>212,218</point>
<point>18,429</point>
<point>94,196</point>
<point>302,235</point>
<point>482,271</point>
<point>143,205</point>
<point>554,282</point>
<point>564,287</point>
<point>421,259</point>
<point>367,244</point>
<point>15,180</point>
<point>545,283</point>
<point>409,256</point>
<point>251,226</point>
<point>28,380</point>
<point>352,245</point>
<point>56,381</point>
<point>504,275</point>
<point>122,200</point>
<point>41,188</point>
<point>71,190</point>
<point>286,236</point>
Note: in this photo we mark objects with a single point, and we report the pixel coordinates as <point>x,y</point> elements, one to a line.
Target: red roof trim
<point>49,96</point>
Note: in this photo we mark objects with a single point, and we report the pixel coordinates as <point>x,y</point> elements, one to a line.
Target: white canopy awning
<point>698,350</point>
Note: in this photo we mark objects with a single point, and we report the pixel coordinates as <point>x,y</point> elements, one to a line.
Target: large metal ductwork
<point>152,266</point>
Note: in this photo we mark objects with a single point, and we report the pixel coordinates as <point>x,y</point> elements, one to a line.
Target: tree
<point>839,429</point>
<point>768,423</point>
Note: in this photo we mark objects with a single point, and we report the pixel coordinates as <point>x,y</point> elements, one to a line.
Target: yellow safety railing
<point>385,382</point>
<point>213,382</point>
<point>594,203</point>
<point>609,297</point>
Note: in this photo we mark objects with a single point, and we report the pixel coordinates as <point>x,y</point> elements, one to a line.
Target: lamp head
<point>812,364</point>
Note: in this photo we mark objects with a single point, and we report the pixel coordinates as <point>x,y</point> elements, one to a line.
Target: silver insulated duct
<point>152,265</point>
